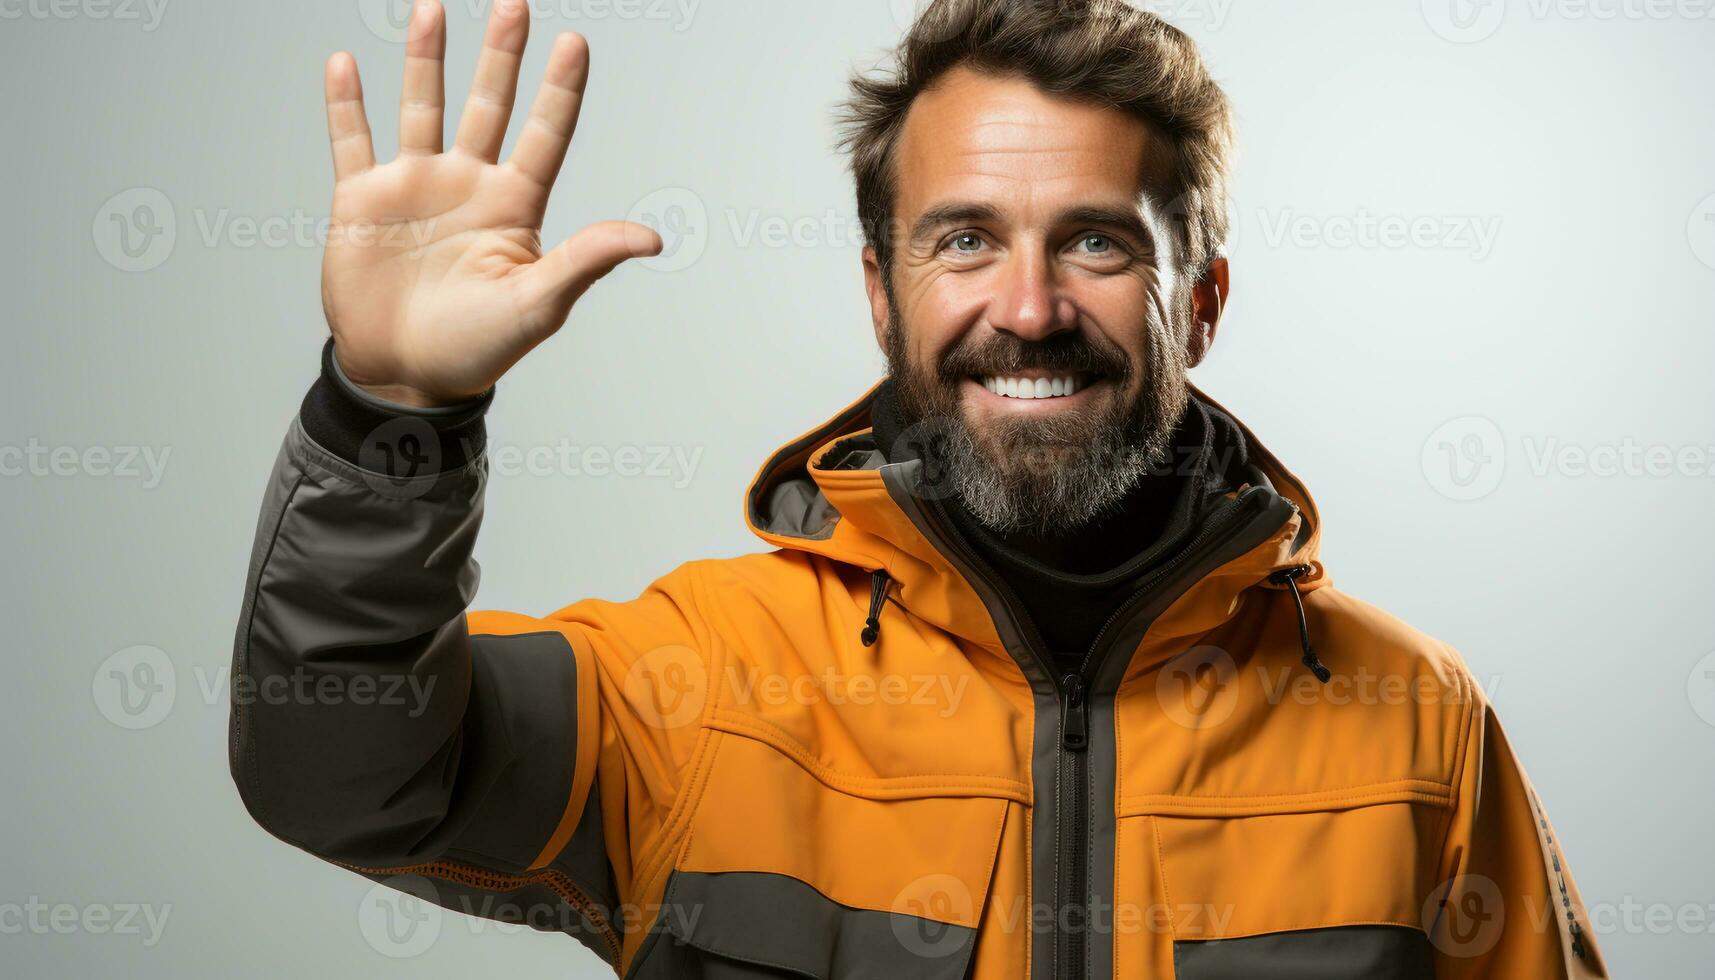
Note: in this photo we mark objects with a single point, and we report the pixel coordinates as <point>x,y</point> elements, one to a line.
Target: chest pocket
<point>793,872</point>
<point>1322,895</point>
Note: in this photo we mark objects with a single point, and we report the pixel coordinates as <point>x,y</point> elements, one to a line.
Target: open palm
<point>435,281</point>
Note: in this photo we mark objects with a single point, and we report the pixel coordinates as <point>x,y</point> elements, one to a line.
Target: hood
<point>830,492</point>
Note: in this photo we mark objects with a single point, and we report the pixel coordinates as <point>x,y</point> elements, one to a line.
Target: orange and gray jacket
<point>849,755</point>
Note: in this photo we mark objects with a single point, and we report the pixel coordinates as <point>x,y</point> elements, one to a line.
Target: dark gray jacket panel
<point>1339,953</point>
<point>371,729</point>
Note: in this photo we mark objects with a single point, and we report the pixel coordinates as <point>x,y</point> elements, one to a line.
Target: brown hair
<point>1102,51</point>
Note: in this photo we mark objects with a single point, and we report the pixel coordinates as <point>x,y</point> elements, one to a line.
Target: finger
<point>562,275</point>
<point>423,98</point>
<point>482,128</point>
<point>553,118</point>
<point>348,127</point>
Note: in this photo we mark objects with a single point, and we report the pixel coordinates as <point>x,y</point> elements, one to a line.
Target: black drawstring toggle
<point>1289,578</point>
<point>877,598</point>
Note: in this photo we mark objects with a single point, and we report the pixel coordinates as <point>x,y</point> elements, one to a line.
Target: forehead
<point>1000,138</point>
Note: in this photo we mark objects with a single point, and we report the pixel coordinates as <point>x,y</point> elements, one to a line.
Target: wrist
<point>398,397</point>
<point>402,396</point>
<point>350,422</point>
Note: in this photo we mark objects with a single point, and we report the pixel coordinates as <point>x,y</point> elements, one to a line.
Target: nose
<point>1027,302</point>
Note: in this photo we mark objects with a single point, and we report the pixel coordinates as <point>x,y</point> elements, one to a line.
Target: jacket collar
<point>826,493</point>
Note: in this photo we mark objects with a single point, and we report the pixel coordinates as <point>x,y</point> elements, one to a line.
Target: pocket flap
<point>1370,952</point>
<point>783,874</point>
<point>733,925</point>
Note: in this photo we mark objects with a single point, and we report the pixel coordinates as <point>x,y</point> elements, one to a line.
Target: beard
<point>1047,473</point>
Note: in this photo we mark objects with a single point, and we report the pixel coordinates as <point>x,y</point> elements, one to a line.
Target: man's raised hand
<point>434,281</point>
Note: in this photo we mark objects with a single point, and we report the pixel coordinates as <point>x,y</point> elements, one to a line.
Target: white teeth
<point>1032,388</point>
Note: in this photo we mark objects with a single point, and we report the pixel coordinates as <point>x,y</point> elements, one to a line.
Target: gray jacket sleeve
<point>369,726</point>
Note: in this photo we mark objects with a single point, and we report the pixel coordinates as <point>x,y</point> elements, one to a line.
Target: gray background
<point>1434,393</point>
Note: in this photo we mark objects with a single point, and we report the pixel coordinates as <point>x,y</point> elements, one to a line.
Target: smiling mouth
<point>1033,386</point>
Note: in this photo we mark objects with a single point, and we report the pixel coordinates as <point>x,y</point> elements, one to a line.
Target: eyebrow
<point>1126,220</point>
<point>951,213</point>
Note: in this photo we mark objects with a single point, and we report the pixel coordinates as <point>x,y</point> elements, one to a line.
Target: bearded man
<point>1041,673</point>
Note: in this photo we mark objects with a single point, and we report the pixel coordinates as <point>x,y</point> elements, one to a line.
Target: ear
<point>876,286</point>
<point>1208,302</point>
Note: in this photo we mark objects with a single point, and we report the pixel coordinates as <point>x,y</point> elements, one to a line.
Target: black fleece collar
<point>1069,600</point>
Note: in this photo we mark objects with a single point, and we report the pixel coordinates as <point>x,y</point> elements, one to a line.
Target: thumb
<point>562,275</point>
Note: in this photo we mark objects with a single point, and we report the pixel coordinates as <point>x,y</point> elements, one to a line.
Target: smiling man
<point>1041,675</point>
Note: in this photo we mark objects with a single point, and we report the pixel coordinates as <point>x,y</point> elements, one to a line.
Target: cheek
<point>939,312</point>
<point>1128,312</point>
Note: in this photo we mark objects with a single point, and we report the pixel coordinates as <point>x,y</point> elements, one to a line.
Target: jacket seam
<point>1161,870</point>
<point>1396,791</point>
<point>944,784</point>
<point>1461,750</point>
<point>656,865</point>
<point>569,817</point>
<point>675,829</point>
<point>993,862</point>
<point>1315,924</point>
<point>979,898</point>
<point>249,761</point>
<point>651,862</point>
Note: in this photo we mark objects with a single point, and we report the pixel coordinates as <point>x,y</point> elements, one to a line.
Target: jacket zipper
<point>1034,645</point>
<point>1074,860</point>
<point>1072,873</point>
<point>1075,824</point>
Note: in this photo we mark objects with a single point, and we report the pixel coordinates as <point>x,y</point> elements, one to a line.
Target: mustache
<point>1067,353</point>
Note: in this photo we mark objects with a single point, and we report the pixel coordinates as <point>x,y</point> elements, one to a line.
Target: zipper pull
<point>1077,728</point>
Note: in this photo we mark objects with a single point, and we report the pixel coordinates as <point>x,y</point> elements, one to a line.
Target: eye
<point>966,242</point>
<point>1097,244</point>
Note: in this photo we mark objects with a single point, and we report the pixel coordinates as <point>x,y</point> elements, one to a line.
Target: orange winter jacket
<point>846,756</point>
